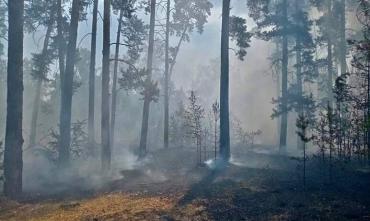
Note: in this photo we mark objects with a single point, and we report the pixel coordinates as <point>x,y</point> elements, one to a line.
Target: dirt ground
<point>170,186</point>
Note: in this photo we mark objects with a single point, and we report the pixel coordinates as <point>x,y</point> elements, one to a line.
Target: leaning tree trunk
<point>91,117</point>
<point>67,90</point>
<point>284,83</point>
<point>145,120</point>
<point>40,75</point>
<point>105,129</point>
<point>13,163</point>
<point>114,87</point>
<point>224,84</point>
<point>166,77</point>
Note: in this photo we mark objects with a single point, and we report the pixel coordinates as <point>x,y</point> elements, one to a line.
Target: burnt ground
<point>171,186</point>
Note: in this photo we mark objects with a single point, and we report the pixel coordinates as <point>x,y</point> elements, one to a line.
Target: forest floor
<point>171,187</point>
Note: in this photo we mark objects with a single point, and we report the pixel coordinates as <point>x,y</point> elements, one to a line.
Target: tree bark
<point>284,83</point>
<point>13,162</point>
<point>105,118</point>
<point>61,42</point>
<point>166,77</point>
<point>299,86</point>
<point>343,43</point>
<point>300,143</point>
<point>330,61</point>
<point>224,84</point>
<point>37,99</point>
<point>67,90</point>
<point>146,107</point>
<point>114,87</point>
<point>91,117</point>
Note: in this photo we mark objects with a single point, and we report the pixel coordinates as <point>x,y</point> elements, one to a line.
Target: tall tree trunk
<point>166,77</point>
<point>299,86</point>
<point>105,118</point>
<point>300,143</point>
<point>67,90</point>
<point>13,162</point>
<point>149,66</point>
<point>114,87</point>
<point>343,43</point>
<point>61,42</point>
<point>284,83</point>
<point>224,84</point>
<point>367,118</point>
<point>330,61</point>
<point>91,117</point>
<point>278,87</point>
<point>37,99</point>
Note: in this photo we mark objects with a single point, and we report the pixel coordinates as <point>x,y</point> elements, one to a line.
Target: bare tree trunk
<point>330,62</point>
<point>224,84</point>
<point>300,143</point>
<point>166,77</point>
<point>67,90</point>
<point>215,138</point>
<point>343,43</point>
<point>91,117</point>
<point>368,110</point>
<point>105,118</point>
<point>13,162</point>
<point>61,42</point>
<point>145,120</point>
<point>284,88</point>
<point>114,88</point>
<point>36,102</point>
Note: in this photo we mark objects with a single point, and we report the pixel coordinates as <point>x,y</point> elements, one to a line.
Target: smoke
<point>42,176</point>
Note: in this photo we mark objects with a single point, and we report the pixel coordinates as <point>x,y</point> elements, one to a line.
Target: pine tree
<point>67,89</point>
<point>13,163</point>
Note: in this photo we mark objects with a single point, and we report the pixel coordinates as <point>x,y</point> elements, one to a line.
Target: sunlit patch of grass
<point>117,206</point>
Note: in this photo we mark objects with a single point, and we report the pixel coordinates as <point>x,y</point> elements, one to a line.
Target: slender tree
<point>91,117</point>
<point>13,162</point>
<point>273,22</point>
<point>61,41</point>
<point>105,118</point>
<point>166,76</point>
<point>115,71</point>
<point>41,67</point>
<point>187,16</point>
<point>224,84</point>
<point>149,66</point>
<point>284,80</point>
<point>67,89</point>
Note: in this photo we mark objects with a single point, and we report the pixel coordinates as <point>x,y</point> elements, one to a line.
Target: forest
<point>167,110</point>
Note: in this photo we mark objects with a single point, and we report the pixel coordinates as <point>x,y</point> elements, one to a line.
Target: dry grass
<point>117,206</point>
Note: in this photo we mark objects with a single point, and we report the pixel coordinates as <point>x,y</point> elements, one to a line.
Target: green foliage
<point>134,33</point>
<point>150,90</point>
<point>194,115</point>
<point>238,33</point>
<point>41,64</point>
<point>303,123</point>
<point>190,15</point>
<point>78,142</point>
